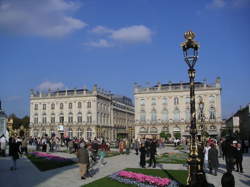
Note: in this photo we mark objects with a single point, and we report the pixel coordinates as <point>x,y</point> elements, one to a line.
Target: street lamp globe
<point>190,49</point>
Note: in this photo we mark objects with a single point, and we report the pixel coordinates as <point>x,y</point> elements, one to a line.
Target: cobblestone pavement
<point>28,175</point>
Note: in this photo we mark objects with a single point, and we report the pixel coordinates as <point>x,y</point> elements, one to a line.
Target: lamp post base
<point>195,167</point>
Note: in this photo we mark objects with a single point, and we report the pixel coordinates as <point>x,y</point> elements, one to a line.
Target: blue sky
<point>114,43</point>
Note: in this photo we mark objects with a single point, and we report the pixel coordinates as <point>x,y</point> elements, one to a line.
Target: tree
<point>177,135</point>
<point>18,122</point>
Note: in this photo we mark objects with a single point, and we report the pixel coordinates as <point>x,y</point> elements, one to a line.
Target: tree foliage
<point>18,122</point>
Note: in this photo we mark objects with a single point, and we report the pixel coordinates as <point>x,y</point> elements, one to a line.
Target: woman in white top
<point>206,149</point>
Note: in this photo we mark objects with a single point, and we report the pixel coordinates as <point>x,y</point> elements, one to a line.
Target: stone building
<point>166,108</point>
<point>240,123</point>
<point>80,113</point>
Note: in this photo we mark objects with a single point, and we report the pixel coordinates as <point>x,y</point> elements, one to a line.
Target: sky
<point>114,43</point>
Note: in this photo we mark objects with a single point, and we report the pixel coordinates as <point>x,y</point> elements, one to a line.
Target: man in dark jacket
<point>152,151</point>
<point>213,159</point>
<point>14,152</point>
<point>83,157</point>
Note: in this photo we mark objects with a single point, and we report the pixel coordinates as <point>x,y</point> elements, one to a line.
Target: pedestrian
<point>44,144</point>
<point>24,145</point>
<point>227,180</point>
<point>102,154</point>
<point>14,152</point>
<point>121,146</point>
<point>136,146</point>
<point>213,159</point>
<point>152,151</point>
<point>142,155</point>
<point>239,158</point>
<point>206,149</point>
<point>83,158</point>
<point>3,142</point>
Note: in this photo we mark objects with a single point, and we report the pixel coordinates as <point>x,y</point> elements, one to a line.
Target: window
<point>36,119</point>
<point>165,115</point>
<point>52,119</point>
<point>143,116</point>
<point>153,130</point>
<point>79,117</point>
<point>52,132</point>
<point>164,101</point>
<point>153,115</point>
<point>212,113</point>
<point>36,107</point>
<point>61,106</point>
<point>187,100</point>
<point>143,130</point>
<point>70,118</point>
<point>52,106</point>
<point>89,104</point>
<point>44,106</point>
<point>79,133</point>
<point>153,101</point>
<point>142,101</point>
<point>89,133</point>
<point>44,119</point>
<point>43,132</point>
<point>79,105</point>
<point>70,133</point>
<point>36,132</point>
<point>61,118</point>
<point>70,105</point>
<point>89,117</point>
<point>176,115</point>
<point>176,101</point>
<point>200,99</point>
<point>165,129</point>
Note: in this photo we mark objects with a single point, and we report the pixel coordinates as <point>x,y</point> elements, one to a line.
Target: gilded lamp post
<point>190,51</point>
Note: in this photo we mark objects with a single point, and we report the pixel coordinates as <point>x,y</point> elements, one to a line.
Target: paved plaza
<point>28,175</point>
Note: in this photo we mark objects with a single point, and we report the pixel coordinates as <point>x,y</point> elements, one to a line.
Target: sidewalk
<point>27,175</point>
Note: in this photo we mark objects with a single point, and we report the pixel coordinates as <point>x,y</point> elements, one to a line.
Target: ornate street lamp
<point>190,52</point>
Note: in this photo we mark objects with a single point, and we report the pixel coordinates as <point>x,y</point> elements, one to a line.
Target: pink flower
<point>145,178</point>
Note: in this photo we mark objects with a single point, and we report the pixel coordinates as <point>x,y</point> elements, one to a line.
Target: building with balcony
<point>80,113</point>
<point>166,108</point>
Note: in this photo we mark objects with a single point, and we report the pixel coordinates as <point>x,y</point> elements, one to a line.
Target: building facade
<point>80,113</point>
<point>166,108</point>
<point>239,123</point>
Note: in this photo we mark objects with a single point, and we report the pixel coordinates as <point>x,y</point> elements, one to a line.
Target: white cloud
<point>101,44</point>
<point>128,35</point>
<point>217,4</point>
<point>43,17</point>
<point>101,30</point>
<point>133,34</point>
<point>50,85</point>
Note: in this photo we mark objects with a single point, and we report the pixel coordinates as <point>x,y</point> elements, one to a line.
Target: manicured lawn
<point>177,175</point>
<point>172,158</point>
<point>112,153</point>
<point>44,164</point>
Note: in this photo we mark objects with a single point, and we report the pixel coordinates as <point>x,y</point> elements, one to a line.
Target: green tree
<point>177,135</point>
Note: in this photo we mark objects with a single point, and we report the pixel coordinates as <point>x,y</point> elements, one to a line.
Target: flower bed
<point>50,156</point>
<point>45,161</point>
<point>141,180</point>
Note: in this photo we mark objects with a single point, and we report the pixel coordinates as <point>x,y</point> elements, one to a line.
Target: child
<point>102,154</point>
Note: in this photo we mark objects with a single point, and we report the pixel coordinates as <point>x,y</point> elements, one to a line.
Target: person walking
<point>142,155</point>
<point>83,158</point>
<point>3,143</point>
<point>213,159</point>
<point>24,145</point>
<point>136,146</point>
<point>206,149</point>
<point>152,153</point>
<point>14,152</point>
<point>239,158</point>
